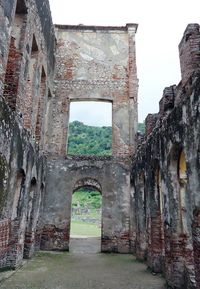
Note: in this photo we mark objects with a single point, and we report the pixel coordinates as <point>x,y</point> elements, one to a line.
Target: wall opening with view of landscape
<point>90,128</point>
<point>86,213</point>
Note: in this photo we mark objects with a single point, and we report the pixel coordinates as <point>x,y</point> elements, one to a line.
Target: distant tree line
<point>92,140</point>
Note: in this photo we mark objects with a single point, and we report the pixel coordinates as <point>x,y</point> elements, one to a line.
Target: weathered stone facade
<point>64,176</point>
<point>150,186</point>
<point>27,45</point>
<point>166,176</point>
<point>92,63</point>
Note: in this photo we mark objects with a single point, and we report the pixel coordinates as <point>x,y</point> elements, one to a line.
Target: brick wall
<point>4,242</point>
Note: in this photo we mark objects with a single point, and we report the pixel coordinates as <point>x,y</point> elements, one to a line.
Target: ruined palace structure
<point>150,185</point>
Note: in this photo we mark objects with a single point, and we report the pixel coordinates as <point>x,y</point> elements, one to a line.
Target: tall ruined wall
<point>166,177</point>
<point>92,63</point>
<point>26,72</point>
<point>21,183</point>
<point>96,63</point>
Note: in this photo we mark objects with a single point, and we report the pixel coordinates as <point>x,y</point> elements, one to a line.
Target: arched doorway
<point>182,181</point>
<point>86,220</point>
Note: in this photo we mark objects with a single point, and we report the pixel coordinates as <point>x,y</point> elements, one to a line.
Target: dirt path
<point>80,269</point>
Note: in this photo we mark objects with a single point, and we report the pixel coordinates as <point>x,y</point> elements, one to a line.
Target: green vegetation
<point>86,204</point>
<point>86,213</point>
<point>86,199</point>
<point>92,140</point>
<point>141,127</point>
<point>80,228</point>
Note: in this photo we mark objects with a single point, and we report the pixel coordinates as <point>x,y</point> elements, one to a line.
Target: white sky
<point>91,113</point>
<point>161,26</point>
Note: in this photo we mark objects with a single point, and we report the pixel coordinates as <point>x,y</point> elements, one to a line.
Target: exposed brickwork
<point>12,75</point>
<point>85,72</point>
<point>166,103</point>
<point>100,173</point>
<point>156,244</point>
<point>189,50</point>
<point>116,243</point>
<point>53,238</point>
<point>172,235</point>
<point>24,93</point>
<point>4,242</point>
<point>196,244</point>
<point>150,123</point>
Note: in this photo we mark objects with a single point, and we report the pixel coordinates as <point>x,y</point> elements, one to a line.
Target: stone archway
<point>87,182</point>
<point>86,216</point>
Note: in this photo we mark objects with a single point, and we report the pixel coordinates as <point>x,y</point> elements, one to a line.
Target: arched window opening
<point>18,195</point>
<point>182,168</point>
<point>30,220</point>
<point>175,219</point>
<point>182,180</point>
<point>90,128</point>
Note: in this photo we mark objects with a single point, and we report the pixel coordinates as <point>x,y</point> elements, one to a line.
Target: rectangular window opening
<point>90,128</point>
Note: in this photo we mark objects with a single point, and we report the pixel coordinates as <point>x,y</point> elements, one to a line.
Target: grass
<point>85,229</point>
<point>90,199</point>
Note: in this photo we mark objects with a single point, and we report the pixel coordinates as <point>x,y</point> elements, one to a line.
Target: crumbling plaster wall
<point>96,63</point>
<point>92,63</point>
<point>34,28</point>
<point>167,218</point>
<point>113,178</point>
<point>22,165</point>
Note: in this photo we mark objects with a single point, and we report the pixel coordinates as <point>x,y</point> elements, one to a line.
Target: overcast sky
<point>161,26</point>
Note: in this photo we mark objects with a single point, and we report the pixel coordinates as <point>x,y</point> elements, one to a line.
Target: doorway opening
<point>90,128</point>
<point>86,220</point>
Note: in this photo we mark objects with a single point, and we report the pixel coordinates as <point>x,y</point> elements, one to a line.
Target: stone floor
<point>83,268</point>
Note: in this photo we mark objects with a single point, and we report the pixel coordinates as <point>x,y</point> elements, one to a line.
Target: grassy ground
<point>82,270</point>
<point>79,228</point>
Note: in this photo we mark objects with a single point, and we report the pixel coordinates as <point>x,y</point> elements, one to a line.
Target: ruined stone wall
<point>21,165</point>
<point>110,176</point>
<point>166,177</point>
<point>26,72</point>
<point>27,64</point>
<point>92,63</point>
<point>96,63</point>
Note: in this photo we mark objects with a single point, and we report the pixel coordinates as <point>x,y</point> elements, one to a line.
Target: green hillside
<point>91,140</point>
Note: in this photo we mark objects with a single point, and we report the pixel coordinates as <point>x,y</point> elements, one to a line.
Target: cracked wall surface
<point>92,63</point>
<point>166,198</point>
<point>109,175</point>
<point>96,63</point>
<point>25,56</point>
